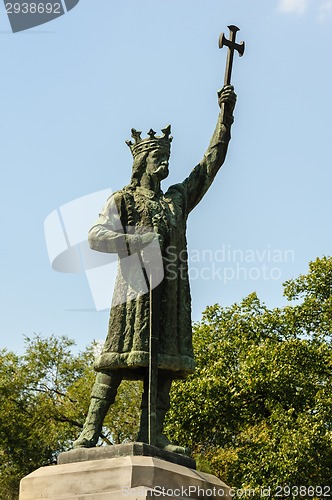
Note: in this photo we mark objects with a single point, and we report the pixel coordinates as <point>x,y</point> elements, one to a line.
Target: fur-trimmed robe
<point>126,213</point>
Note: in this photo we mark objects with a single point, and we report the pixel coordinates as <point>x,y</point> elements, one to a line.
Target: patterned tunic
<point>127,343</point>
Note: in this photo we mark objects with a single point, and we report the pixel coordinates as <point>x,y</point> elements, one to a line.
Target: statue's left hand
<point>227,96</point>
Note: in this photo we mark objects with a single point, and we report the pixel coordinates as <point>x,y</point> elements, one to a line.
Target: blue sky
<point>73,88</point>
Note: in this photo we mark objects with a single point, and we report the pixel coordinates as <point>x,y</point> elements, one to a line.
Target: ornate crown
<point>150,143</point>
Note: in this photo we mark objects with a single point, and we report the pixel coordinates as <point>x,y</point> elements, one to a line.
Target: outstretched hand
<point>227,96</point>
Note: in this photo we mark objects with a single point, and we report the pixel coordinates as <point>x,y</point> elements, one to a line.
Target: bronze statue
<point>149,335</point>
<point>142,204</point>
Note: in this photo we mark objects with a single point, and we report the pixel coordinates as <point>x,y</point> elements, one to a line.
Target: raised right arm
<point>202,176</point>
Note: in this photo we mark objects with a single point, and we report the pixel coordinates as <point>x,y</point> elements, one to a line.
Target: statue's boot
<point>143,427</point>
<point>102,396</point>
<point>161,439</point>
<point>163,405</point>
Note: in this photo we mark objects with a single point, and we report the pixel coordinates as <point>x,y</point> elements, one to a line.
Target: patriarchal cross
<point>232,45</point>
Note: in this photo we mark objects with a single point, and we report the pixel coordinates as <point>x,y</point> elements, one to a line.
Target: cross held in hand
<point>232,45</point>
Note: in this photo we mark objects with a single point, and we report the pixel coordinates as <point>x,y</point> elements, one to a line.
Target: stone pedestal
<point>124,450</point>
<point>132,477</point>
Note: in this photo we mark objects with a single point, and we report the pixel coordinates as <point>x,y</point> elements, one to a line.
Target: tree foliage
<point>258,410</point>
<point>44,398</point>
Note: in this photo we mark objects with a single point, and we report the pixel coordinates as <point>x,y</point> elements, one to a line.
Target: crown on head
<point>151,143</point>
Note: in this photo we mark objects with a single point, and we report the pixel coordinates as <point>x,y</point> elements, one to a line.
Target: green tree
<point>44,397</point>
<point>258,410</point>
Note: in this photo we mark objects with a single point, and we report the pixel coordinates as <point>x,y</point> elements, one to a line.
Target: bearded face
<point>157,164</point>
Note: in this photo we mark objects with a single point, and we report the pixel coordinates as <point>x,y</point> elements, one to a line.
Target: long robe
<point>126,213</point>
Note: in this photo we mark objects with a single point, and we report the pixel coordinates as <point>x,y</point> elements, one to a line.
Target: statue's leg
<point>143,427</point>
<point>102,396</point>
<point>163,405</point>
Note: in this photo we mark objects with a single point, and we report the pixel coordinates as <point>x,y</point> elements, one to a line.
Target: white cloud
<point>325,10</point>
<point>296,6</point>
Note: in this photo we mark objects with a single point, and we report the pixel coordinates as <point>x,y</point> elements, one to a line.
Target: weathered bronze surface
<point>150,335</point>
